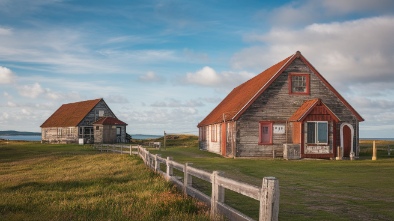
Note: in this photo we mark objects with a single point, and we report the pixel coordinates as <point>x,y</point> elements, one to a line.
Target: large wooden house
<point>90,121</point>
<point>290,109</point>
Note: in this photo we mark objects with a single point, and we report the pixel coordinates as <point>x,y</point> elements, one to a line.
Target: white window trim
<point>316,132</point>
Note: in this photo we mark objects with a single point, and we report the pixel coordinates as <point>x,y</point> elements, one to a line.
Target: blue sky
<point>164,65</point>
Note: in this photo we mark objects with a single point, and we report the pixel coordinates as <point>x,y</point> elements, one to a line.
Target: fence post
<point>130,150</point>
<point>269,199</point>
<point>169,169</point>
<point>149,159</point>
<point>157,164</point>
<point>121,149</point>
<point>374,151</point>
<point>187,178</point>
<point>217,194</point>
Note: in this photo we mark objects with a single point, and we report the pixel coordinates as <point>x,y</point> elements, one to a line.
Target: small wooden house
<point>290,109</point>
<point>91,120</point>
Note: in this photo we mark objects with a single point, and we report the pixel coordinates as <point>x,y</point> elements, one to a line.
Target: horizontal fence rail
<point>267,194</point>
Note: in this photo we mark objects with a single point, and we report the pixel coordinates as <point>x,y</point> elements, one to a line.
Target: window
<point>214,136</point>
<point>317,132</point>
<point>70,131</point>
<point>59,132</point>
<point>203,136</point>
<point>298,83</point>
<point>97,127</point>
<point>118,131</point>
<point>265,132</point>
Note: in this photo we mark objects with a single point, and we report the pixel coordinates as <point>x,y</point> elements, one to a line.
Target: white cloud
<point>7,95</point>
<point>31,91</point>
<point>25,111</point>
<point>309,11</point>
<point>207,76</point>
<point>150,77</point>
<point>177,103</point>
<point>357,51</point>
<point>11,104</point>
<point>4,116</point>
<point>6,75</point>
<point>5,31</point>
<point>353,6</point>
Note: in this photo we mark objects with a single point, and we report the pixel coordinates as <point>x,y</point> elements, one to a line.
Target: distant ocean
<point>22,137</point>
<point>376,138</point>
<point>38,138</point>
<point>144,136</point>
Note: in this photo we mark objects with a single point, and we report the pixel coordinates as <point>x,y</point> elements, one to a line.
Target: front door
<point>347,141</point>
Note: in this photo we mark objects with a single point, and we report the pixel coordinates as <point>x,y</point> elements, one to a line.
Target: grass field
<point>309,189</point>
<point>71,182</point>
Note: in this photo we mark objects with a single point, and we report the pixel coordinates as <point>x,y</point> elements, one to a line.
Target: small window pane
<point>322,131</point>
<point>311,132</point>
<point>298,84</point>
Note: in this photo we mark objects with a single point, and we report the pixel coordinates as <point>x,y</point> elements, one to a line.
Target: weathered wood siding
<point>107,134</point>
<point>230,136</point>
<point>277,105</point>
<point>94,114</point>
<point>207,140</point>
<point>59,134</point>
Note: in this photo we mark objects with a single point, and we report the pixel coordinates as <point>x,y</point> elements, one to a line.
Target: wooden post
<point>217,194</point>
<point>130,150</point>
<point>339,157</point>
<point>374,151</point>
<point>187,179</point>
<point>121,149</point>
<point>169,169</point>
<point>388,150</point>
<point>148,159</point>
<point>157,163</point>
<point>165,137</point>
<point>269,199</point>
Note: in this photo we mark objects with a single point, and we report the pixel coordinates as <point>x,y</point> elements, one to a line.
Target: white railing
<point>267,194</point>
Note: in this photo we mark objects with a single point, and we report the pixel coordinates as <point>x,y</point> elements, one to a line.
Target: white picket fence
<point>267,194</point>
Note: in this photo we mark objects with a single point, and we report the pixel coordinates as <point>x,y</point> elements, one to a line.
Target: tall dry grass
<point>70,182</point>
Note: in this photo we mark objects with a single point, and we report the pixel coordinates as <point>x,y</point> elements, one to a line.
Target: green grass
<point>309,189</point>
<point>72,182</point>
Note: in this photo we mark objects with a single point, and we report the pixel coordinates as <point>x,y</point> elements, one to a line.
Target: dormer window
<point>298,83</point>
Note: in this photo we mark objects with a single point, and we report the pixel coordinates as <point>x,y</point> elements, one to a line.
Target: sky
<point>164,65</point>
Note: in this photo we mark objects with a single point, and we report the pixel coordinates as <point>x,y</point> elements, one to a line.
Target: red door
<point>223,139</point>
<point>347,141</point>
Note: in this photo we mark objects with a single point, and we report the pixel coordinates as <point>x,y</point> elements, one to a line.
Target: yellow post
<point>374,151</point>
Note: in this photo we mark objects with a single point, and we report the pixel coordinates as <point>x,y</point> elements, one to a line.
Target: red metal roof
<point>70,115</point>
<point>307,107</point>
<point>109,121</point>
<point>241,97</point>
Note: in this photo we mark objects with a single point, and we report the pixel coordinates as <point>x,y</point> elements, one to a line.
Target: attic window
<point>298,83</point>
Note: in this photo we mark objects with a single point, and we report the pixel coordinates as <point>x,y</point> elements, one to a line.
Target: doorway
<point>347,133</point>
